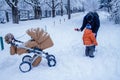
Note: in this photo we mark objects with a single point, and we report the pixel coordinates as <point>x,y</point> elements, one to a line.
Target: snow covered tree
<point>13,4</point>
<point>2,11</point>
<point>24,6</point>
<point>91,5</point>
<point>115,13</point>
<point>106,4</point>
<point>78,4</point>
<point>1,4</point>
<point>53,5</point>
<point>36,5</point>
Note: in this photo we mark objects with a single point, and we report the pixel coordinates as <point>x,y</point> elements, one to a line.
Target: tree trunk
<point>53,12</point>
<point>69,11</point>
<point>61,10</point>
<point>15,15</point>
<point>46,13</point>
<point>37,12</point>
<point>7,17</point>
<point>53,8</point>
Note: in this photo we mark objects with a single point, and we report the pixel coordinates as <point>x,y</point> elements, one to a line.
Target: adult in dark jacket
<point>93,19</point>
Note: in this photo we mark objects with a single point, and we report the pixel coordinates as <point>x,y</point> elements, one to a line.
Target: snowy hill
<point>72,64</point>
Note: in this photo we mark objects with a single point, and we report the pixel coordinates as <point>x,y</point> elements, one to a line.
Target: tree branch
<point>57,5</point>
<point>48,4</point>
<point>30,3</point>
<point>9,3</point>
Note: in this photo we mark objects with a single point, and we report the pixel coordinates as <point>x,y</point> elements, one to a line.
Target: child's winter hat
<point>88,26</point>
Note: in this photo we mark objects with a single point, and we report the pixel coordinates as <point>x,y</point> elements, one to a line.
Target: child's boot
<point>91,51</point>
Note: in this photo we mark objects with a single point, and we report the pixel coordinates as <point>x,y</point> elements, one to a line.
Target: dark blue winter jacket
<point>93,17</point>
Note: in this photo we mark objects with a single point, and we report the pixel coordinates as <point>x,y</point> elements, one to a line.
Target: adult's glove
<point>76,29</point>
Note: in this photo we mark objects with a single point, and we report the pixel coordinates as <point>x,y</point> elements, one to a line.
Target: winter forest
<point>20,10</point>
<point>44,40</point>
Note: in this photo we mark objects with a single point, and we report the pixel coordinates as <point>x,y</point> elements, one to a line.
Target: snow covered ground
<point>72,64</point>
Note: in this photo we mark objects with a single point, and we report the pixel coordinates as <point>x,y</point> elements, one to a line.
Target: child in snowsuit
<point>89,41</point>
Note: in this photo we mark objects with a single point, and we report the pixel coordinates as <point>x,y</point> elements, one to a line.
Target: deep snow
<point>72,64</point>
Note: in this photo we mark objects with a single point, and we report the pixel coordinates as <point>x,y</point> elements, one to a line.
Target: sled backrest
<point>41,39</point>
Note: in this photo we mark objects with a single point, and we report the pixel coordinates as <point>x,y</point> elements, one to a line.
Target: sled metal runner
<point>27,60</point>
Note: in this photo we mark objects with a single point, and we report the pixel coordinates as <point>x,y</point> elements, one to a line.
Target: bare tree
<point>115,13</point>
<point>13,5</point>
<point>53,6</point>
<point>36,7</point>
<point>106,4</point>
